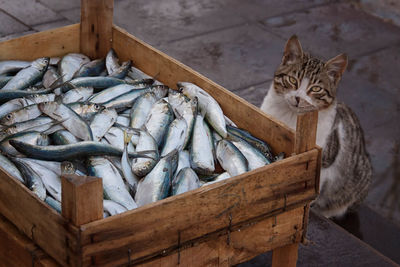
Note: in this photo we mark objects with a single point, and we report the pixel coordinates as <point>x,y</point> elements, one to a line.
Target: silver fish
<point>80,94</point>
<point>185,180</point>
<point>156,185</point>
<point>28,76</point>
<point>254,157</point>
<point>113,185</point>
<point>23,114</point>
<point>141,108</point>
<point>187,108</point>
<point>112,61</point>
<point>142,166</point>
<point>102,122</point>
<point>63,137</point>
<point>230,158</point>
<point>158,120</point>
<point>86,110</point>
<point>201,153</point>
<point>130,178</point>
<point>68,118</point>
<point>208,105</point>
<point>12,66</point>
<point>112,207</point>
<point>30,137</point>
<point>70,64</point>
<point>32,179</point>
<point>176,136</point>
<point>50,179</point>
<point>10,168</point>
<point>51,78</point>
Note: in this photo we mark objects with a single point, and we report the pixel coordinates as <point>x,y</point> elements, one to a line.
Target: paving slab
<point>51,25</point>
<point>10,25</point>
<point>329,245</point>
<point>29,12</point>
<point>235,57</point>
<point>254,94</point>
<point>61,5</point>
<point>16,35</point>
<point>336,28</point>
<point>261,9</point>
<point>160,21</point>
<point>73,15</point>
<point>380,68</point>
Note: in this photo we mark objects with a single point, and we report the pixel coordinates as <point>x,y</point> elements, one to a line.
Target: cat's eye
<point>316,89</point>
<point>292,80</point>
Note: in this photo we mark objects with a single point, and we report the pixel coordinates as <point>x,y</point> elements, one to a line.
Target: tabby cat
<point>304,83</point>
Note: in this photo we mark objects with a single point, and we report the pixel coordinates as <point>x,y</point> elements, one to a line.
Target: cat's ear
<point>335,67</point>
<point>293,51</point>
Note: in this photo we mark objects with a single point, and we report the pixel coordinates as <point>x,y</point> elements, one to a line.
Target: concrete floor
<point>238,44</point>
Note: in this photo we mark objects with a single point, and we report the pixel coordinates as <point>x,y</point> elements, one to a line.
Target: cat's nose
<point>297,101</point>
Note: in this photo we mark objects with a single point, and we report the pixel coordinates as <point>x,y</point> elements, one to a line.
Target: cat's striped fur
<point>303,83</point>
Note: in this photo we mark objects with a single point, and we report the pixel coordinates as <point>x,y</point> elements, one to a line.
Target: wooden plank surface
<point>171,71</point>
<point>149,230</point>
<point>240,245</point>
<point>36,220</point>
<point>96,27</point>
<point>82,199</point>
<point>16,249</point>
<point>306,132</point>
<point>51,43</point>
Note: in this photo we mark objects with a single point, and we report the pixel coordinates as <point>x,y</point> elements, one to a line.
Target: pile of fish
<point>101,118</point>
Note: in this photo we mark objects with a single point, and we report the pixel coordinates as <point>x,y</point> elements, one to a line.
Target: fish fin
<point>127,137</point>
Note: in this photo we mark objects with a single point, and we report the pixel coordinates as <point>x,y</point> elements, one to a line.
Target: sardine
<point>68,118</point>
<point>28,76</point>
<point>207,105</point>
<point>113,185</point>
<point>230,158</point>
<point>156,185</point>
<point>72,151</point>
<point>185,180</point>
<point>201,155</point>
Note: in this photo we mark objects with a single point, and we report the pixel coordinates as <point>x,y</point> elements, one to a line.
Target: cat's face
<point>307,83</point>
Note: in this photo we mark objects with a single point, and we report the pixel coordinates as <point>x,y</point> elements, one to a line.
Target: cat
<point>304,83</point>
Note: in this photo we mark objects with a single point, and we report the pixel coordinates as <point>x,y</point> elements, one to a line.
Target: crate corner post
<point>96,27</point>
<point>305,140</point>
<point>81,203</point>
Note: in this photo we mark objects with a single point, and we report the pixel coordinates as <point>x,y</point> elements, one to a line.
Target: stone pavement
<point>238,44</point>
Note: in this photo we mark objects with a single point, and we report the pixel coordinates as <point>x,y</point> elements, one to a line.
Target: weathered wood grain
<point>16,249</point>
<point>51,43</point>
<point>148,230</point>
<point>96,27</point>
<point>37,220</point>
<point>82,199</point>
<point>171,71</point>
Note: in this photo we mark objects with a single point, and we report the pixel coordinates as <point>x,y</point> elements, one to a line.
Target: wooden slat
<point>149,229</point>
<point>171,71</point>
<point>240,245</point>
<point>16,249</point>
<point>36,220</point>
<point>96,27</point>
<point>51,43</point>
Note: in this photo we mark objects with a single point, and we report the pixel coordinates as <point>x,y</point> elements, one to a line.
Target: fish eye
<point>316,89</point>
<point>9,116</point>
<point>96,106</point>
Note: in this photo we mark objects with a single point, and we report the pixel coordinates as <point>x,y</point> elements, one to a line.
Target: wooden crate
<point>224,223</point>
